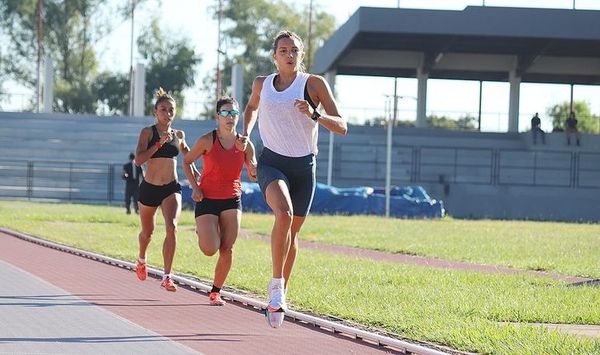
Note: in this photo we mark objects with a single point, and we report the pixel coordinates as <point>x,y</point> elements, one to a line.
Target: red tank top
<point>221,171</point>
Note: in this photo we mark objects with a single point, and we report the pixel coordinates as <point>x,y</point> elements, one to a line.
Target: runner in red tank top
<point>217,194</point>
<point>221,170</point>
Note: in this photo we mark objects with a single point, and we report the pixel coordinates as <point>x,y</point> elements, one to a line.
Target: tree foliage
<point>71,29</point>
<point>586,121</point>
<point>464,123</point>
<point>250,27</point>
<point>171,64</point>
<point>112,92</point>
<point>18,23</point>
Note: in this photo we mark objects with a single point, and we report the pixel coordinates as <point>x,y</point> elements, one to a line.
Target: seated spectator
<point>571,128</point>
<point>536,129</point>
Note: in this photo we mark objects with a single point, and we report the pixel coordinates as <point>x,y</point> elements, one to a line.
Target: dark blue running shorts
<point>298,173</point>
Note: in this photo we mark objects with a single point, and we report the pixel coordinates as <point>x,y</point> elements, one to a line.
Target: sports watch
<point>315,116</point>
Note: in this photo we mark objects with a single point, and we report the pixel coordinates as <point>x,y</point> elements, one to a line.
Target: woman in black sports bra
<point>158,147</point>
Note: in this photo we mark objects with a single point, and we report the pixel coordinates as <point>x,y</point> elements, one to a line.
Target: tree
<point>466,123</point>
<point>71,28</point>
<point>254,24</point>
<point>171,64</point>
<point>586,121</point>
<point>112,92</point>
<point>18,24</point>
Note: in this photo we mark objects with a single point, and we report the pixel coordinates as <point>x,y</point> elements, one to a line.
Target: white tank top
<point>283,129</point>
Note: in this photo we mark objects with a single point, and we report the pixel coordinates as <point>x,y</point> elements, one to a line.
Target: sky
<point>190,19</point>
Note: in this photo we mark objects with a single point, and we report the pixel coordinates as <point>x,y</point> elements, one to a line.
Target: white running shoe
<point>274,318</point>
<point>275,311</point>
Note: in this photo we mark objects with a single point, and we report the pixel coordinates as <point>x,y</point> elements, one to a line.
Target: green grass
<point>566,248</point>
<point>469,311</point>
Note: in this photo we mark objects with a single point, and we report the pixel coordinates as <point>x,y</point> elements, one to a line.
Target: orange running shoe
<point>168,284</point>
<point>215,299</point>
<point>141,271</point>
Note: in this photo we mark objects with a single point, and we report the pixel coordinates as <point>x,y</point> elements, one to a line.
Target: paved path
<point>60,303</point>
<point>41,318</point>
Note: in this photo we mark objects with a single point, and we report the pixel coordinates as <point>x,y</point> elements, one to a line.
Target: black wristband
<point>315,116</point>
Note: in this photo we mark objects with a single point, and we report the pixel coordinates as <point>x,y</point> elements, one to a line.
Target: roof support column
<point>422,77</point>
<point>513,104</point>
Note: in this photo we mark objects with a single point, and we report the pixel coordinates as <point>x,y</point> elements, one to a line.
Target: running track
<point>183,317</point>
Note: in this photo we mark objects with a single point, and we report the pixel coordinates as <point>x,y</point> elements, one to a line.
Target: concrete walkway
<point>40,318</point>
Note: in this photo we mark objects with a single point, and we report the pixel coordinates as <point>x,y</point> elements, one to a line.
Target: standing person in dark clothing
<point>536,129</point>
<point>131,174</point>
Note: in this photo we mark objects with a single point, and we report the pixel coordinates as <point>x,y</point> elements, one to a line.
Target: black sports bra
<point>307,97</point>
<point>168,150</point>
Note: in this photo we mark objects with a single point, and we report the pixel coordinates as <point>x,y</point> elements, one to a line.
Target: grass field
<point>470,311</point>
<point>567,248</point>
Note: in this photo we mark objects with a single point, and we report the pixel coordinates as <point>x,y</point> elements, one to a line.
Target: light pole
<point>39,56</point>
<point>130,109</point>
<point>219,79</point>
<point>309,43</point>
<point>388,161</point>
<point>392,119</point>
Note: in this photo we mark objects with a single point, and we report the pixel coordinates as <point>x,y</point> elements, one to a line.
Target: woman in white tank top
<point>287,104</point>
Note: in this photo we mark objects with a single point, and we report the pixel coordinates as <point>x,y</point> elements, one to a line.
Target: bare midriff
<point>161,171</point>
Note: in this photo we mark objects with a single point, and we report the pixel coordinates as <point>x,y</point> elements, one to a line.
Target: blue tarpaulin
<point>406,201</point>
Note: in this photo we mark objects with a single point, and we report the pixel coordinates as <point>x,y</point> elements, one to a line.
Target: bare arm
<point>250,159</point>
<point>321,94</point>
<point>201,146</point>
<point>142,153</point>
<point>190,170</point>
<point>251,111</point>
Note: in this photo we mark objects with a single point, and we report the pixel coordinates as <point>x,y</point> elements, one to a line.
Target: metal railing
<point>356,164</point>
<point>60,180</point>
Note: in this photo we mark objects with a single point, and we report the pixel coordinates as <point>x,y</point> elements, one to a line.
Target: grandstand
<point>477,175</point>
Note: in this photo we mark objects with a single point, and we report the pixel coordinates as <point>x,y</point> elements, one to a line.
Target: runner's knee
<point>226,250</point>
<point>147,234</point>
<point>171,228</point>
<point>283,215</point>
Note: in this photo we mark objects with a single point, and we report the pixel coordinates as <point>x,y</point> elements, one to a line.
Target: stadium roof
<point>477,43</point>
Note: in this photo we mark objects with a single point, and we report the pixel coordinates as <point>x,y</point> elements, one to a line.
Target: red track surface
<point>184,316</point>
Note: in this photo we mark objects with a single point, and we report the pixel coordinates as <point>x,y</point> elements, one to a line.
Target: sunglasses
<point>225,113</point>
